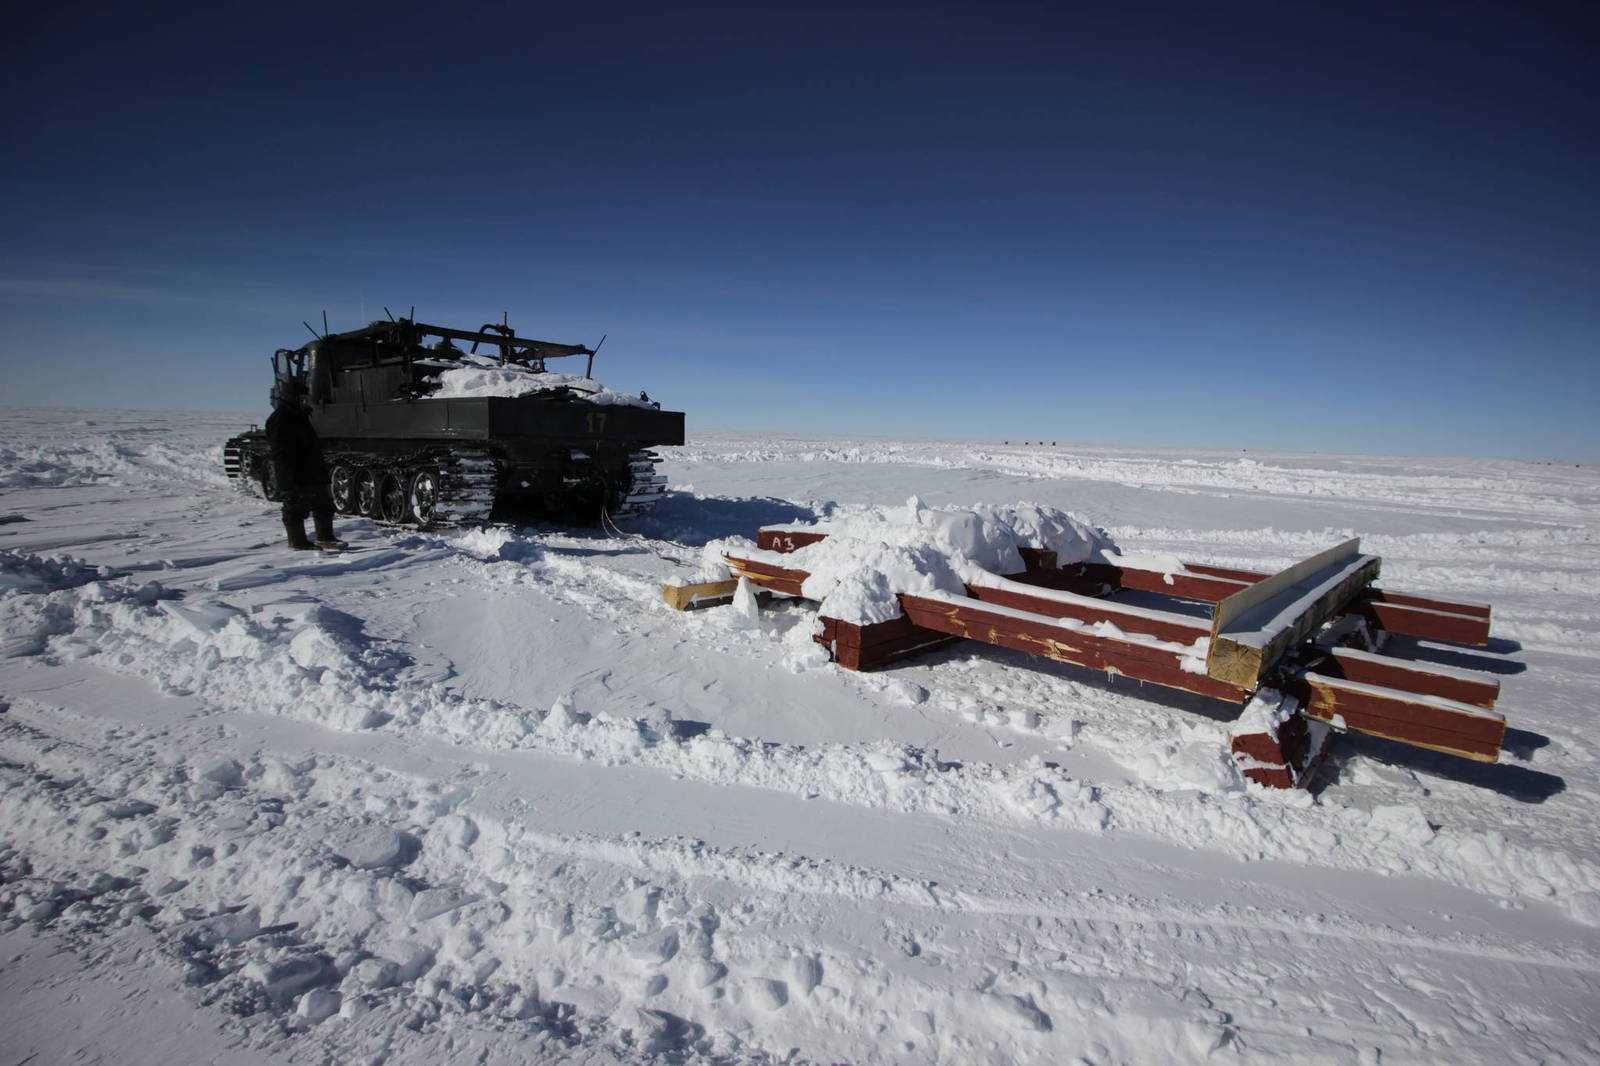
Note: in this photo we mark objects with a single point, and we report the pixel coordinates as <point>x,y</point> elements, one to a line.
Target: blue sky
<point>1315,227</point>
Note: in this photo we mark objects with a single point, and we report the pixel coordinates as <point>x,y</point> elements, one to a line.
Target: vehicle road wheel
<point>342,484</point>
<point>392,495</point>
<point>422,498</point>
<point>367,493</point>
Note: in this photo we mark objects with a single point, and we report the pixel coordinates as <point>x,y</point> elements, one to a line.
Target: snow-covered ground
<point>481,797</point>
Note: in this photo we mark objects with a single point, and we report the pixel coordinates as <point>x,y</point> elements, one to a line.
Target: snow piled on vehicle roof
<point>481,376</point>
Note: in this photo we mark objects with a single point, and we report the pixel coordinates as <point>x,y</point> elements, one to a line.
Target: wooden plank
<point>1476,610</point>
<point>1274,744</point>
<point>1436,712</point>
<point>683,597</point>
<point>1412,735</point>
<point>1103,579</point>
<point>1185,584</point>
<point>1248,577</point>
<point>883,654</point>
<point>1423,721</point>
<point>867,647</point>
<point>1262,747</point>
<point>1053,604</point>
<point>1259,639</point>
<point>1254,628</point>
<point>872,634</point>
<point>1424,679</point>
<point>781,539</point>
<point>776,578</point>
<point>1429,624</point>
<point>1064,579</point>
<point>1258,593</point>
<point>1039,635</point>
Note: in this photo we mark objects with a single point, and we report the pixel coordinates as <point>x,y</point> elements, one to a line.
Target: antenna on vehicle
<point>389,313</point>
<point>413,312</point>
<point>324,322</point>
<point>589,373</point>
<point>307,325</point>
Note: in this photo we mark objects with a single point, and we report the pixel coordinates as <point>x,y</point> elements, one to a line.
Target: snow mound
<point>870,558</point>
<point>26,572</point>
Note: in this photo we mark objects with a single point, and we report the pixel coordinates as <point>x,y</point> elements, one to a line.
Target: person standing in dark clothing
<point>302,474</point>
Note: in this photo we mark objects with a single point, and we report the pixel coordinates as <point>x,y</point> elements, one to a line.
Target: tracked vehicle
<point>432,426</point>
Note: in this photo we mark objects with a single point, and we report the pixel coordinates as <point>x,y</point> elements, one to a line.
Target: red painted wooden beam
<point>1425,679</point>
<point>1185,584</point>
<point>786,540</point>
<point>867,647</point>
<point>776,578</point>
<point>1430,623</point>
<point>1474,610</point>
<point>1424,721</point>
<point>1038,635</point>
<point>1165,625</point>
<point>1247,577</point>
<point>1274,744</point>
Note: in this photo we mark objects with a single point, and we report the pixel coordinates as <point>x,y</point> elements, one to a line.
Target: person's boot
<point>297,535</point>
<point>325,538</point>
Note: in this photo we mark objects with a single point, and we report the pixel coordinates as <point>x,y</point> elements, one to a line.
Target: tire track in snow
<point>1099,936</point>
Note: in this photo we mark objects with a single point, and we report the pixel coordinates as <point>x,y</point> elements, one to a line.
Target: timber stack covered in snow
<point>1304,651</point>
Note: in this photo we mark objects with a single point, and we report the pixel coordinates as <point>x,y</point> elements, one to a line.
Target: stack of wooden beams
<point>1261,635</point>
